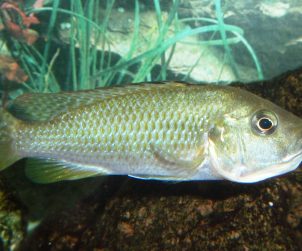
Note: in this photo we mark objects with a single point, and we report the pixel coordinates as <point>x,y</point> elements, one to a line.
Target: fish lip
<point>293,156</point>
<point>290,163</point>
<point>287,164</point>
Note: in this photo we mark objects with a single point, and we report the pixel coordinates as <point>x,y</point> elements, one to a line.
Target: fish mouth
<point>240,173</point>
<point>288,164</point>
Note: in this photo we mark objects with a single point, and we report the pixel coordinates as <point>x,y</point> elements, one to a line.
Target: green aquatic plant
<point>91,63</point>
<point>161,45</point>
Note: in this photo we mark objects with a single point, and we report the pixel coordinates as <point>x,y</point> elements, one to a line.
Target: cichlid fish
<point>171,131</point>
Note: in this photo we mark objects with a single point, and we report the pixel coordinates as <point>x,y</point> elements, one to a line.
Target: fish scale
<point>172,127</point>
<point>170,131</point>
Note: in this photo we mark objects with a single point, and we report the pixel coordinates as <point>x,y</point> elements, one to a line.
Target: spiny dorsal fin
<point>45,106</point>
<point>45,171</point>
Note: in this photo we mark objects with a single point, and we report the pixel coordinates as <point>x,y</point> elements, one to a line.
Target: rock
<point>190,56</point>
<point>270,27</point>
<point>188,216</point>
<point>12,219</point>
<point>207,216</point>
<point>284,90</point>
<point>268,35</point>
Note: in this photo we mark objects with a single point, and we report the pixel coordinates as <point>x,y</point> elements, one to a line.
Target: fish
<point>170,131</point>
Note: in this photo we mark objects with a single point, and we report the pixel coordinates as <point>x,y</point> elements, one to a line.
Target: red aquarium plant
<point>10,69</point>
<point>17,23</point>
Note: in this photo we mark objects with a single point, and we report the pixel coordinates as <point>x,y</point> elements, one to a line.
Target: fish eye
<point>264,122</point>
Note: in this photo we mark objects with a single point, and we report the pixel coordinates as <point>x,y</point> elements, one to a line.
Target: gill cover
<point>224,154</point>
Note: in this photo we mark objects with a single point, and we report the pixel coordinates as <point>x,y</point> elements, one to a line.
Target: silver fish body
<point>169,131</point>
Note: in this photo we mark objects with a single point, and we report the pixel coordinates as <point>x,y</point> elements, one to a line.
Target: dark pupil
<point>265,124</point>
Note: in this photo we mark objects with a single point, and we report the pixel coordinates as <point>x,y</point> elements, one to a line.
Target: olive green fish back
<point>44,106</point>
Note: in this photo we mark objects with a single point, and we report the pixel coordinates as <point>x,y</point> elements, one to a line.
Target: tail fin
<point>7,153</point>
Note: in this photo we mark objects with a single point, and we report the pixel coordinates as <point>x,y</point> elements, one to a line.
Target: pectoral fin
<point>179,167</point>
<point>49,170</point>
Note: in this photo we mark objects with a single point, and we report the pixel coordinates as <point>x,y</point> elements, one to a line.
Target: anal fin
<point>50,170</point>
<point>157,177</point>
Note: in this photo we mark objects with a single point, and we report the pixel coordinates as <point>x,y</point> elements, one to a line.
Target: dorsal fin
<point>45,106</point>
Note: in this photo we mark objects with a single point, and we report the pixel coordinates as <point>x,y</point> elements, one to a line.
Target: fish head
<point>255,141</point>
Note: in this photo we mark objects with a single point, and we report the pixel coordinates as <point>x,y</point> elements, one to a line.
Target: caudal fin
<point>7,153</point>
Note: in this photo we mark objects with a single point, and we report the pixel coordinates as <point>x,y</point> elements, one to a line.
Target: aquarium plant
<point>31,44</point>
